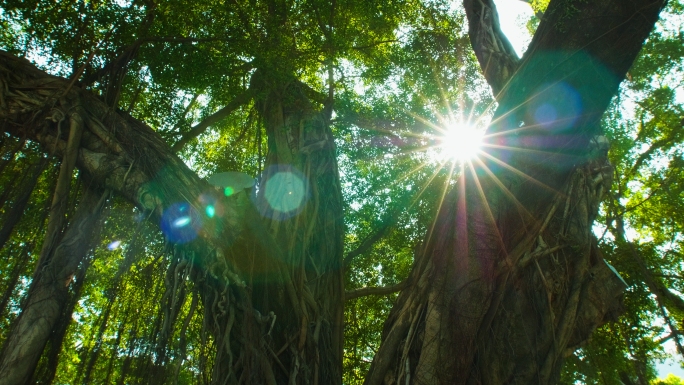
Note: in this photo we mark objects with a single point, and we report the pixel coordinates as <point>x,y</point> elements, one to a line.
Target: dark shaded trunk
<point>12,281</point>
<point>509,280</point>
<point>302,161</point>
<point>22,262</point>
<point>48,295</point>
<point>47,366</point>
<point>278,320</point>
<point>22,196</point>
<point>294,281</point>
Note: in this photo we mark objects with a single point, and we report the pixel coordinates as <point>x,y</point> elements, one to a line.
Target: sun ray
<point>412,171</point>
<point>504,189</point>
<point>429,181</point>
<point>519,149</point>
<point>519,173</point>
<point>490,215</point>
<point>441,199</point>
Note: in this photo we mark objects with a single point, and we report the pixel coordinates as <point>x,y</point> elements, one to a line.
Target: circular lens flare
<point>459,142</point>
<point>114,245</point>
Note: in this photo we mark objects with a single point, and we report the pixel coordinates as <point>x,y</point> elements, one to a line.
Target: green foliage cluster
<point>399,68</point>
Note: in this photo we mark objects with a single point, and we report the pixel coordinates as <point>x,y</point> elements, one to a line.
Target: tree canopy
<point>387,81</point>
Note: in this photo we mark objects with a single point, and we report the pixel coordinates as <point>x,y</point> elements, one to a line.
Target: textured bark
<point>257,270</point>
<point>494,52</point>
<point>509,280</point>
<point>299,279</point>
<point>119,153</point>
<point>116,151</point>
<point>47,365</point>
<point>48,296</point>
<point>23,194</point>
<point>60,197</point>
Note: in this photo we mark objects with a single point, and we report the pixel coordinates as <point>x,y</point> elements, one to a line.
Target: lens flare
<point>284,192</point>
<point>555,107</point>
<point>180,223</point>
<point>114,245</point>
<point>210,211</point>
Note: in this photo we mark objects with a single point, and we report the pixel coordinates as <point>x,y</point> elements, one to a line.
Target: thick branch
<point>575,71</point>
<point>495,53</point>
<point>655,285</point>
<point>212,119</point>
<point>117,151</point>
<point>646,155</point>
<point>365,291</point>
<point>372,239</point>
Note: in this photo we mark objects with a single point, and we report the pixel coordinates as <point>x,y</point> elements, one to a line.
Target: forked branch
<point>495,53</point>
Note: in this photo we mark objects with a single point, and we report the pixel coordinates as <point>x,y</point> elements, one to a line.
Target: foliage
<point>670,380</point>
<point>399,69</point>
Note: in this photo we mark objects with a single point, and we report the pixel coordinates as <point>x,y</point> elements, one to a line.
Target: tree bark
<point>509,280</point>
<point>494,52</point>
<point>48,295</point>
<point>22,198</point>
<point>283,264</point>
<point>297,280</point>
<point>111,148</point>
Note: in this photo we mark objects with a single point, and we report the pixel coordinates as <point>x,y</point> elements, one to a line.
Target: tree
<point>254,279</point>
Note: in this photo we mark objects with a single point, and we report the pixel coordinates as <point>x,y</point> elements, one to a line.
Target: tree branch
<point>131,168</point>
<point>367,243</point>
<point>212,119</point>
<point>654,284</point>
<point>495,53</point>
<point>366,291</point>
<point>646,155</point>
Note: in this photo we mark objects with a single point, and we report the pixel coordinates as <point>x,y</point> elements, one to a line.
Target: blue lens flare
<point>180,223</point>
<point>555,107</point>
<point>114,245</point>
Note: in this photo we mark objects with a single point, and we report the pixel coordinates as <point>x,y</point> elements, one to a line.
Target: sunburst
<point>460,141</point>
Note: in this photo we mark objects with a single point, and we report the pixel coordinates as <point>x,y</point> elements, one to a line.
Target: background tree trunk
<point>48,294</point>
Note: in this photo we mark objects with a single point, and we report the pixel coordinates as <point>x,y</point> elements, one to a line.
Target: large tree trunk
<point>509,280</point>
<point>302,151</point>
<point>270,281</point>
<point>297,281</point>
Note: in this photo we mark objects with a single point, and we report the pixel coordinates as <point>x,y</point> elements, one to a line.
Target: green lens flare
<point>210,210</point>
